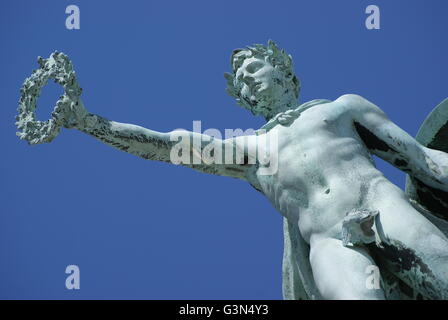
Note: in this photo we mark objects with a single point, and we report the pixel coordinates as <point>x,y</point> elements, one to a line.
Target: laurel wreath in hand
<point>57,67</point>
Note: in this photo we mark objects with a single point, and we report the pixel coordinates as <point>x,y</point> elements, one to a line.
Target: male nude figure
<point>325,170</point>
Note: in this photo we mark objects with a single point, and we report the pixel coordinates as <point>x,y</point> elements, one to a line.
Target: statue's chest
<point>297,152</point>
<point>309,135</point>
<point>302,149</point>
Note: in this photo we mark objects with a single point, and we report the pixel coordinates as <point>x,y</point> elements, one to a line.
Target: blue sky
<point>149,230</point>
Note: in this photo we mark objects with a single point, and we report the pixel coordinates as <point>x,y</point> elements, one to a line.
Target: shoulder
<point>352,99</point>
<point>356,104</point>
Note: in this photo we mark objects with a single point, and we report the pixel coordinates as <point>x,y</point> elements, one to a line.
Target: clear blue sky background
<point>149,230</point>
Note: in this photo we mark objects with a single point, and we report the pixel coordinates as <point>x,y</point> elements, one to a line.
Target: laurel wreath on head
<point>57,67</point>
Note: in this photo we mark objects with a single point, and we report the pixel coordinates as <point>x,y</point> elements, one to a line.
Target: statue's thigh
<point>400,223</point>
<point>342,272</point>
<point>414,246</point>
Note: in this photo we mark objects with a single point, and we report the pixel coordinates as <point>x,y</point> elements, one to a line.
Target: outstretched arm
<point>389,142</point>
<point>168,147</point>
<point>231,157</point>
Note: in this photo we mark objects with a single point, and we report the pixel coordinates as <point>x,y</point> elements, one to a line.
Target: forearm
<point>142,142</point>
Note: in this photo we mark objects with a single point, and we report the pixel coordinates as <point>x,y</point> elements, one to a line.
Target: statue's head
<point>263,79</point>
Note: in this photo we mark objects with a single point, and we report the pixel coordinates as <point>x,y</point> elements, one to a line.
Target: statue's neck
<point>281,107</point>
<point>272,122</point>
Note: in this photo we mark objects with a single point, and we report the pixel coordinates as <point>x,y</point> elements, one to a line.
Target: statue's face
<point>260,85</point>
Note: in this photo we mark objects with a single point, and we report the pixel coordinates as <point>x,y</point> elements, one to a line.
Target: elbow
<point>436,163</point>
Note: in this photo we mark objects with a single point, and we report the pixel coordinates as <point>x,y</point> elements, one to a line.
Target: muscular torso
<point>324,171</point>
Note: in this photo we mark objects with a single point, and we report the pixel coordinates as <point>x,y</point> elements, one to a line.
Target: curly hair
<point>271,53</point>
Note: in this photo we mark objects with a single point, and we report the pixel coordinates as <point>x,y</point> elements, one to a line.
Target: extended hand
<point>70,113</point>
